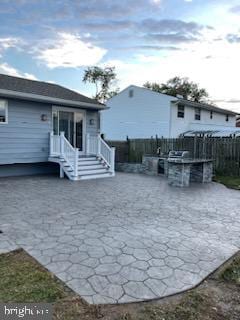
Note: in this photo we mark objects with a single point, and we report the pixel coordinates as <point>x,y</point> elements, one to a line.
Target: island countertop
<point>188,161</point>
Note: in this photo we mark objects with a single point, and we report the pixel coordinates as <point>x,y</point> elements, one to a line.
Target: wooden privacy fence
<point>224,151</point>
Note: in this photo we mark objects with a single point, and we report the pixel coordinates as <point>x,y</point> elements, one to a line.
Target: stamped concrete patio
<point>129,238</point>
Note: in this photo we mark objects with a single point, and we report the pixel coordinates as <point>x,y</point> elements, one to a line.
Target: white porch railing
<point>91,144</point>
<point>97,146</point>
<point>61,147</point>
<point>54,145</point>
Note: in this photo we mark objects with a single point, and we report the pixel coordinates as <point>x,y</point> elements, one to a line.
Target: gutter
<point>46,99</point>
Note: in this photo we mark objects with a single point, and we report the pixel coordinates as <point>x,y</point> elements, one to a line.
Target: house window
<point>3,112</point>
<point>130,93</point>
<point>180,112</point>
<point>211,114</point>
<point>197,114</point>
<point>227,117</point>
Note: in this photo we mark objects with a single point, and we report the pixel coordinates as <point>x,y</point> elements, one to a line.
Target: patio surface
<point>123,239</point>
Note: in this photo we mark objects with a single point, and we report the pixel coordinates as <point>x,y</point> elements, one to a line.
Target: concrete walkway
<point>128,238</point>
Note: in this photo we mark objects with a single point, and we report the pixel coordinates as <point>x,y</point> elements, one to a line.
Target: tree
<point>103,78</point>
<point>179,86</point>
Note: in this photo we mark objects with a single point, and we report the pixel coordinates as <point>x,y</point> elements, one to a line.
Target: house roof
<point>50,92</point>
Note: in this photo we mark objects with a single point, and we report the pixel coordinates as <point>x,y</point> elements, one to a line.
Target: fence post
<point>204,147</point>
<point>128,149</point>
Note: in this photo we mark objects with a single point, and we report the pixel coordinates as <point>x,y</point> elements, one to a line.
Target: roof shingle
<point>42,88</point>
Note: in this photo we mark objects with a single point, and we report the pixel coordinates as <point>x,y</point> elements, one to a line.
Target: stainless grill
<point>179,155</point>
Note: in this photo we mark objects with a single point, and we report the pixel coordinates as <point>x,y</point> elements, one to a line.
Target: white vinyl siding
<point>136,113</point>
<point>181,125</point>
<point>141,113</point>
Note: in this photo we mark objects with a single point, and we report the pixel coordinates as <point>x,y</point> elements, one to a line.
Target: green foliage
<point>103,78</point>
<point>179,86</point>
<point>232,272</point>
<point>229,181</point>
<point>153,86</point>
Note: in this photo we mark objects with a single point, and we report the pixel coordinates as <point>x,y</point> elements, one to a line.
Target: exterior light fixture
<point>44,117</point>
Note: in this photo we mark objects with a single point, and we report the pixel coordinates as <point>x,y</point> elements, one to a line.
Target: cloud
<point>148,47</point>
<point>109,25</point>
<point>212,73</point>
<point>147,25</point>
<point>171,25</point>
<point>29,76</point>
<point>5,68</point>
<point>154,30</point>
<point>156,2</point>
<point>233,38</point>
<point>231,104</point>
<point>106,9</point>
<point>172,30</point>
<point>8,42</point>
<point>172,38</point>
<point>235,9</point>
<point>73,12</point>
<point>228,101</point>
<point>69,51</point>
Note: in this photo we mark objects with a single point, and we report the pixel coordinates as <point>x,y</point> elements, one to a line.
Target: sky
<point>146,40</point>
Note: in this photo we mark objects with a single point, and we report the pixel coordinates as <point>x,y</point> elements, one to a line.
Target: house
<point>44,126</point>
<point>138,112</point>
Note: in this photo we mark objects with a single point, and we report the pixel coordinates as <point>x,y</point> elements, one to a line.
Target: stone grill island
<point>182,169</point>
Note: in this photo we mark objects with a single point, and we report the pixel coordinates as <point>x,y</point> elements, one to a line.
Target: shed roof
<point>235,132</point>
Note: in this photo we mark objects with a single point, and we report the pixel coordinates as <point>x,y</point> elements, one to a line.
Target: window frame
<point>197,112</point>
<point>6,112</point>
<point>181,111</point>
<point>211,115</point>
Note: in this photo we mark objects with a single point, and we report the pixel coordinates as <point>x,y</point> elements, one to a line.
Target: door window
<point>71,124</point>
<point>79,130</point>
<point>66,125</point>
